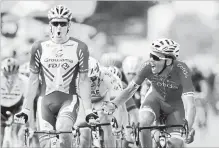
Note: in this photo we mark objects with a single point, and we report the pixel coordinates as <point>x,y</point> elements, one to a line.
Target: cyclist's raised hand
<point>109,107</point>
<point>190,137</point>
<point>22,116</point>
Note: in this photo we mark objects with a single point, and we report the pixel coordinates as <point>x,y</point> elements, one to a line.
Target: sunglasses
<point>156,58</point>
<point>62,24</point>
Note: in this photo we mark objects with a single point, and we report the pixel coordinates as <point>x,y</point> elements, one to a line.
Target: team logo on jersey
<point>55,65</point>
<point>58,60</point>
<point>59,53</point>
<point>160,82</point>
<point>65,66</point>
<point>184,70</point>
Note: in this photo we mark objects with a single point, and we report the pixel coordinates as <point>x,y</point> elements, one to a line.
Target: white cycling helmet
<point>167,47</point>
<point>131,64</point>
<point>60,11</point>
<point>114,70</point>
<point>94,67</point>
<point>111,59</point>
<point>10,66</point>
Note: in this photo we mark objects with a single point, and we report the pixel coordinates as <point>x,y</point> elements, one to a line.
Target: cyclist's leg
<point>66,120</point>
<point>85,137</point>
<point>121,116</point>
<point>46,121</point>
<point>109,139</point>
<point>176,117</point>
<point>148,113</point>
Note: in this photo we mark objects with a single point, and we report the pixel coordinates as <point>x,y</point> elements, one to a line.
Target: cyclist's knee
<point>64,123</point>
<point>146,116</point>
<point>175,143</point>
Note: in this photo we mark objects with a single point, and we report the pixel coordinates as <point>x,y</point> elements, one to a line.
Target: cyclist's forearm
<point>126,94</point>
<point>33,85</point>
<point>85,93</point>
<point>190,110</point>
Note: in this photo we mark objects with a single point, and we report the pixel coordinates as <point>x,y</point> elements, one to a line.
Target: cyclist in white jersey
<point>13,89</point>
<point>57,62</point>
<point>105,86</point>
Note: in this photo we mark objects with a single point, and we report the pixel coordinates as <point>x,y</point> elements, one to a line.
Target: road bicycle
<point>163,136</point>
<point>97,135</point>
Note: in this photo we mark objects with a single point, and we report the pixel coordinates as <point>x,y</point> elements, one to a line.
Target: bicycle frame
<point>163,132</point>
<point>28,131</point>
<point>97,128</point>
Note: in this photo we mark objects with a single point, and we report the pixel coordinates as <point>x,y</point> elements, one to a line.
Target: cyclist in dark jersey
<point>171,92</point>
<point>58,61</point>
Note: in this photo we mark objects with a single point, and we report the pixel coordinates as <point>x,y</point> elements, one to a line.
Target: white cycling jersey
<point>106,87</point>
<point>11,94</point>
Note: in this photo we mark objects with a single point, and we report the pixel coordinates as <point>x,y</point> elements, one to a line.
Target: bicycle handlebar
<point>136,129</point>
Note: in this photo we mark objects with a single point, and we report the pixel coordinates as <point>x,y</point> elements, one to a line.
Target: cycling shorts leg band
<point>176,135</point>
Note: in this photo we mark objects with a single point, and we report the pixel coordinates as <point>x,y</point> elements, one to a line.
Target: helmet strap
<point>164,67</point>
<point>69,24</point>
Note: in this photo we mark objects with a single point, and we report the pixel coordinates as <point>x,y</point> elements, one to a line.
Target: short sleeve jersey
<point>12,94</point>
<point>171,87</point>
<point>106,83</point>
<point>59,64</point>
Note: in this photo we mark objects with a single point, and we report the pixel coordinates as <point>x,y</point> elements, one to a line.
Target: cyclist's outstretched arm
<point>133,86</point>
<point>188,95</point>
